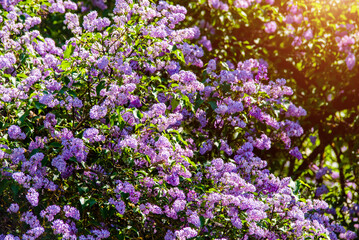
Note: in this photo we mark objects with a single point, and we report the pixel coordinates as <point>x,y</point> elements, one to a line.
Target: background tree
<point>313,44</point>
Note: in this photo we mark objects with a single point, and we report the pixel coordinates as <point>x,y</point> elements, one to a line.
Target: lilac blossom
<point>16,133</point>
<point>270,27</point>
<point>350,61</point>
<point>33,197</point>
<point>296,153</point>
<point>102,63</point>
<point>186,233</point>
<point>50,212</point>
<point>14,207</point>
<point>98,112</point>
<point>71,212</point>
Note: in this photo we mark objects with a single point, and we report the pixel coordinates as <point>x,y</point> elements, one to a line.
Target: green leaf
<point>225,66</point>
<point>137,113</point>
<point>213,105</point>
<point>174,103</point>
<point>15,189</point>
<point>39,105</point>
<point>90,202</point>
<point>226,87</point>
<point>198,103</point>
<point>65,65</point>
<point>179,55</point>
<point>99,87</point>
<point>202,219</point>
<point>21,75</point>
<point>83,189</point>
<point>69,51</point>
<point>192,163</point>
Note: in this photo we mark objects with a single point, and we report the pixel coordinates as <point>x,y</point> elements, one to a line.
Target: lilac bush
<point>124,132</point>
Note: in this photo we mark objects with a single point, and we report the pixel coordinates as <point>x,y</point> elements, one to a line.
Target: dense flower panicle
<point>119,205</point>
<point>101,234</point>
<point>9,237</point>
<point>92,134</point>
<point>296,153</point>
<point>59,163</point>
<point>350,61</point>
<point>72,22</point>
<point>7,60</point>
<point>50,212</point>
<point>98,112</point>
<point>71,212</point>
<point>270,27</point>
<point>14,207</point>
<point>60,227</point>
<point>186,233</point>
<point>102,63</point>
<point>321,190</point>
<point>295,111</point>
<point>16,133</point>
<point>33,197</point>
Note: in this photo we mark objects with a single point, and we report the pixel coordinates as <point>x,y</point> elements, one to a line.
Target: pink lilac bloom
<point>270,27</point>
<point>308,34</point>
<point>350,61</point>
<point>345,43</point>
<point>297,41</point>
